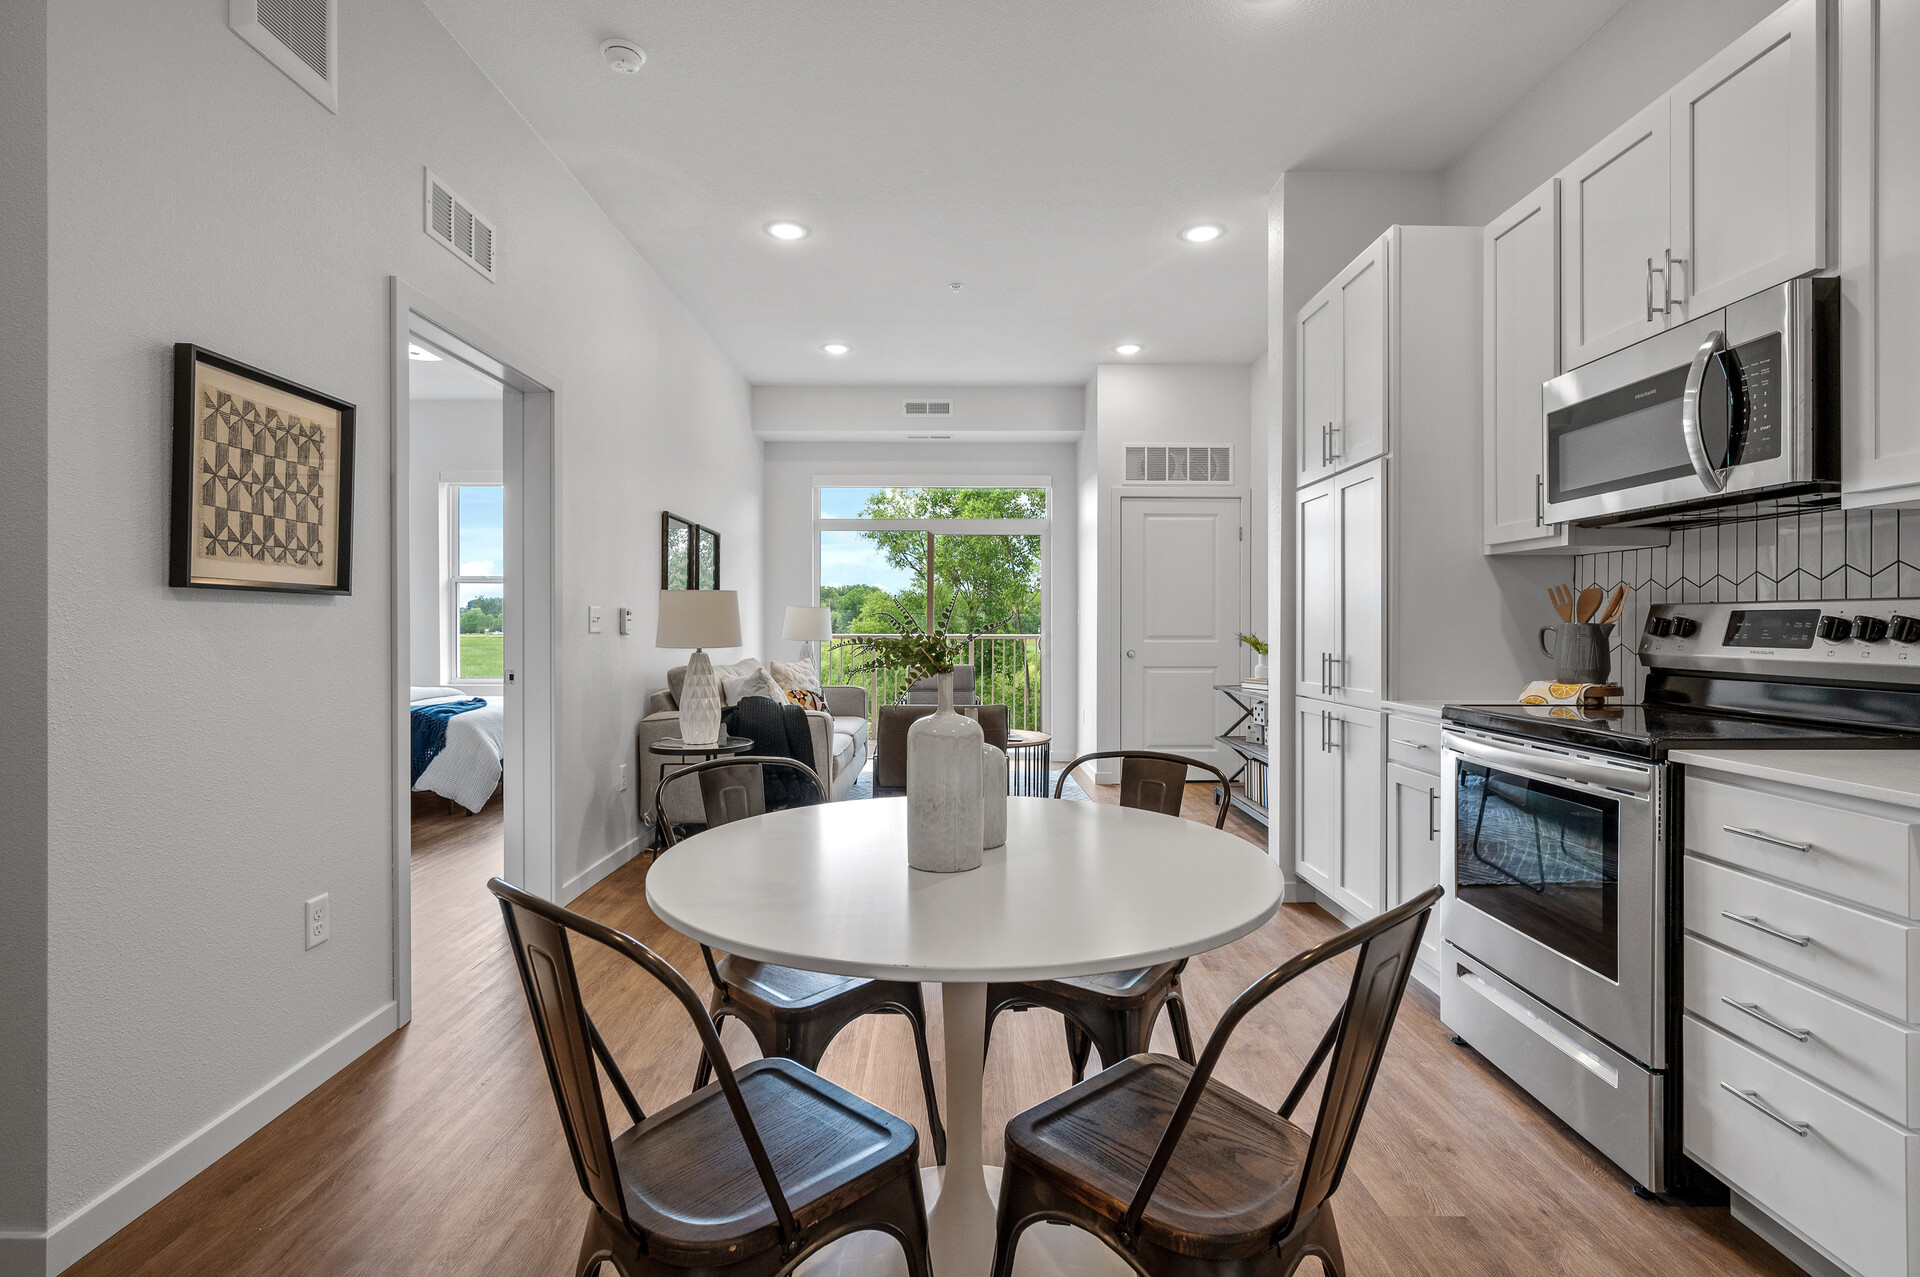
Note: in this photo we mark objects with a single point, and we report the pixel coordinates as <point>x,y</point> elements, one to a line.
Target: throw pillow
<point>736,689</point>
<point>807,698</point>
<point>795,676</point>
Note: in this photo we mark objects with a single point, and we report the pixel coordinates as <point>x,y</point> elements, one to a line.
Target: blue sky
<point>847,558</point>
<point>844,503</point>
<point>482,531</point>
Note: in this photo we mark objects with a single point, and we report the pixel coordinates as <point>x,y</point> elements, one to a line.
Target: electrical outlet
<point>319,921</point>
<point>620,777</point>
<point>626,620</point>
<point>593,619</point>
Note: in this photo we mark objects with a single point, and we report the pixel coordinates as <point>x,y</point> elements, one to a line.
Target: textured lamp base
<point>699,702</point>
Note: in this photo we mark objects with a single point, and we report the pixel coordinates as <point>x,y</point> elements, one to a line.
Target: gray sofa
<point>839,743</point>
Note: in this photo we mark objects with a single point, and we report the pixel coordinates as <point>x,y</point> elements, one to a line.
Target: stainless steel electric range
<point>1560,960</point>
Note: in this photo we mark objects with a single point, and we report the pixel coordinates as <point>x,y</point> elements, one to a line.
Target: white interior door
<point>1182,603</point>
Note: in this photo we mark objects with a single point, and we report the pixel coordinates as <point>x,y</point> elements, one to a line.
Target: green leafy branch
<point>1255,642</point>
<point>915,651</point>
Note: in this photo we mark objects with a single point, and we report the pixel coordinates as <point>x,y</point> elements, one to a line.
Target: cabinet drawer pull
<point>1753,1098</point>
<point>1759,836</point>
<point>1433,815</point>
<point>1411,744</point>
<point>1753,1009</point>
<point>1747,920</point>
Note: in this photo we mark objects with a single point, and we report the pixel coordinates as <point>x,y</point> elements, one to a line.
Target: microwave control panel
<point>1805,638</point>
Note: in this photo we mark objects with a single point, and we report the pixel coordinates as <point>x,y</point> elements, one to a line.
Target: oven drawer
<point>1857,857</point>
<point>1609,1099</point>
<point>1845,1184</point>
<point>1864,1057</point>
<point>1857,955</point>
<point>1413,742</point>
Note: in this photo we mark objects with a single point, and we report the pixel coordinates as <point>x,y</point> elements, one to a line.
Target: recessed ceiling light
<point>837,348</point>
<point>1128,348</point>
<point>420,353</point>
<point>786,230</point>
<point>624,56</point>
<point>1205,233</point>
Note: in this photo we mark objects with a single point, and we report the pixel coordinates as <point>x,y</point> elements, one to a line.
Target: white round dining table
<point>1079,888</point>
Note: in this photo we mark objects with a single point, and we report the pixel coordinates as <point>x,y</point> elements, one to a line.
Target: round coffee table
<point>672,747</point>
<point>1030,764</point>
<point>1078,889</point>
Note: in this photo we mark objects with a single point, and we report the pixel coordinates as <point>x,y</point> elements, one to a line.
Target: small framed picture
<point>262,480</point>
<point>689,555</point>
<point>707,559</point>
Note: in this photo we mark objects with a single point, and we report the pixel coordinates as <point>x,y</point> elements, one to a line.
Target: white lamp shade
<point>808,624</point>
<point>698,618</point>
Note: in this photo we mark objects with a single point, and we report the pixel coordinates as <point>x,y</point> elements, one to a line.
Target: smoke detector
<point>624,56</point>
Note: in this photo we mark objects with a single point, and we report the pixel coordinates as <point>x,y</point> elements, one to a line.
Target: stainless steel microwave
<point>1736,406</point>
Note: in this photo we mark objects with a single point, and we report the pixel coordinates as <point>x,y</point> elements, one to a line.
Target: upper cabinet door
<point>1361,432</point>
<point>1520,265</point>
<point>1318,355</point>
<point>1613,243</point>
<point>1749,163</point>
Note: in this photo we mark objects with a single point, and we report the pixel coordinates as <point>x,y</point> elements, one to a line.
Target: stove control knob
<point>1685,626</point>
<point>1834,629</point>
<point>1660,626</point>
<point>1904,629</point>
<point>1869,629</point>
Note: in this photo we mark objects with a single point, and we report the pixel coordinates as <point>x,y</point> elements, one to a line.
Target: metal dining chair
<point>1115,1012</point>
<point>1183,1176</point>
<point>791,1013</point>
<point>747,1176</point>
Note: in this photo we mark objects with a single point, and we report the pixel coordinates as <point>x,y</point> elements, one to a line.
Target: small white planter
<point>945,817</point>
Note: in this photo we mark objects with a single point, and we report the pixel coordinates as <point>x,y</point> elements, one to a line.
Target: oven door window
<point>1543,859</point>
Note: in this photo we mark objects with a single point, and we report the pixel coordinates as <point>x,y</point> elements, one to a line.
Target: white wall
<point>443,435</point>
<point>248,764</point>
<point>1635,56</point>
<point>792,470</point>
<point>851,413</point>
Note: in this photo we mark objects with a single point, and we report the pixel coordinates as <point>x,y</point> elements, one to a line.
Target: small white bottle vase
<point>993,796</point>
<point>944,811</point>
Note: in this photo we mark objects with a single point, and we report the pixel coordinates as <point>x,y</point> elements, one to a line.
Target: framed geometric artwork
<point>262,480</point>
<point>689,554</point>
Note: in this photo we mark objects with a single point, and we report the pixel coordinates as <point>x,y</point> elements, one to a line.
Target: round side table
<point>1030,764</point>
<point>673,748</point>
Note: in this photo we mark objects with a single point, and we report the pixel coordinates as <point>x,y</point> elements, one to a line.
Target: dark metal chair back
<point>1153,781</point>
<point>569,1042</point>
<point>732,788</point>
<point>1357,1039</point>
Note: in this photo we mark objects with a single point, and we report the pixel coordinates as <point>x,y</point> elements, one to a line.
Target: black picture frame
<point>689,554</point>
<point>260,544</point>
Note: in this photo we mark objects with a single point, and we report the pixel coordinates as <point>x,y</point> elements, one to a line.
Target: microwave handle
<point>1713,478</point>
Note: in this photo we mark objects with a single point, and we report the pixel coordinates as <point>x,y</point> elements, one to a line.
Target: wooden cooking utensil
<point>1614,600</point>
<point>1587,604</point>
<point>1562,599</point>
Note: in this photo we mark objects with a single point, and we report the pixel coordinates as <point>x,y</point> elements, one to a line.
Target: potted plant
<point>1259,647</point>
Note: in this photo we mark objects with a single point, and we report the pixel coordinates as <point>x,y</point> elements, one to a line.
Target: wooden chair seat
<point>1232,1180</point>
<point>690,1184</point>
<point>784,991</point>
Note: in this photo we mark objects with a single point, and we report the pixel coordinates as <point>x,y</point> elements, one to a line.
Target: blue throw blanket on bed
<point>430,729</point>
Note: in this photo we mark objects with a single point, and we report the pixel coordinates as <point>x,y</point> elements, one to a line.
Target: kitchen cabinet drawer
<point>1414,742</point>
<point>1870,1060</point>
<point>1839,1175</point>
<point>1857,955</point>
<point>1857,857</point>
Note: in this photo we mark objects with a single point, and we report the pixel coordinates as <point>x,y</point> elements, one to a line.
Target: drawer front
<point>1413,742</point>
<point>1865,859</point>
<point>1858,1054</point>
<point>1831,946</point>
<point>1844,1183</point>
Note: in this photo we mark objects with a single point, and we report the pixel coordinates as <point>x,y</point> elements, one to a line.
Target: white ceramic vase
<point>993,796</point>
<point>944,811</point>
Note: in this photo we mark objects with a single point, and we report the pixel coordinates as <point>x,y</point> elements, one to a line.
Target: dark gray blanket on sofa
<point>777,731</point>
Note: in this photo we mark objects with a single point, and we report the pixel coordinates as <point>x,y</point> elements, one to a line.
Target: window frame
<point>452,579</point>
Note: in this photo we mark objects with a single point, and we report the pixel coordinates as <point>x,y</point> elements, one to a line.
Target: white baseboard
<point>571,889</point>
<point>139,1192</point>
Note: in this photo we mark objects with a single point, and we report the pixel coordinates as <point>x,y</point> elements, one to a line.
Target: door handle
<point>1334,661</point>
<point>1539,501</point>
<point>1748,920</point>
<point>1753,1009</point>
<point>1667,275</point>
<point>1649,290</point>
<point>1759,836</point>
<point>1433,814</point>
<point>1333,453</point>
<point>1708,473</point>
<point>1129,653</point>
<point>1753,1098</point>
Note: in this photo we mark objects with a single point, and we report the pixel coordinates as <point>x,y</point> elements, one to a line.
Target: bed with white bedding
<point>468,769</point>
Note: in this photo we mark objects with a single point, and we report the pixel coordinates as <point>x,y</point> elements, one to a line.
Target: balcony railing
<point>1007,670</point>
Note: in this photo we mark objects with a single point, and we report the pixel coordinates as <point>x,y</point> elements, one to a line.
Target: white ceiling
<point>1043,153</point>
<point>448,378</point>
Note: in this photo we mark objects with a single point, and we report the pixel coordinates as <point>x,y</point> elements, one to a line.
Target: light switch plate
<point>626,620</point>
<point>593,619</point>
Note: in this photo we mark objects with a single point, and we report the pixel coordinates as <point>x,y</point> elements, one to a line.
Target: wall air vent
<point>301,37</point>
<point>929,408</point>
<point>458,229</point>
<point>1178,463</point>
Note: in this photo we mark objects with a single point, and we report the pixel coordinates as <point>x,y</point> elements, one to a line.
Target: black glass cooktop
<point>1650,731</point>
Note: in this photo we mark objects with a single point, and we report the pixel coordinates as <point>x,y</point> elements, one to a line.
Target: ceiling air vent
<point>459,230</point>
<point>301,37</point>
<point>1178,463</point>
<point>929,407</point>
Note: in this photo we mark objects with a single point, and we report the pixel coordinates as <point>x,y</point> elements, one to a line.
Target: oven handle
<point>1634,780</point>
<point>1714,478</point>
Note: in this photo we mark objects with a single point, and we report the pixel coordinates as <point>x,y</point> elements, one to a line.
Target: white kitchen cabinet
<point>1342,572</point>
<point>1520,349</point>
<point>1614,220</point>
<point>1342,351</point>
<point>1412,812</point>
<point>1341,767</point>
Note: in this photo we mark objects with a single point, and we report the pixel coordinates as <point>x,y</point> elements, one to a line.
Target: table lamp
<point>809,625</point>
<point>699,619</point>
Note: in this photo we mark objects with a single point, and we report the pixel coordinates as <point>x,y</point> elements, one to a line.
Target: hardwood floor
<point>439,1150</point>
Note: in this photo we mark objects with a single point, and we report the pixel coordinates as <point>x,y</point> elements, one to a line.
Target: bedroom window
<point>476,593</point>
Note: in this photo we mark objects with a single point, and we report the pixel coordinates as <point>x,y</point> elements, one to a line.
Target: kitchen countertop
<point>1882,775</point>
